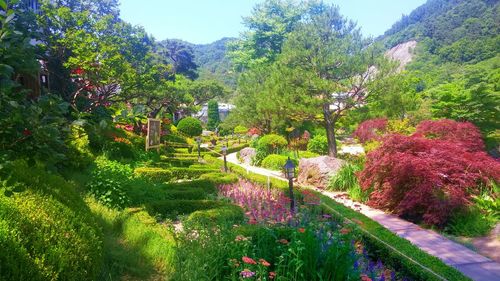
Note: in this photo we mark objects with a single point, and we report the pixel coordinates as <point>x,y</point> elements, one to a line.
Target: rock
<point>317,171</point>
<point>247,154</point>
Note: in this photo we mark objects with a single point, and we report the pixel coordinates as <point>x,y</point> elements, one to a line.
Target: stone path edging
<point>470,263</point>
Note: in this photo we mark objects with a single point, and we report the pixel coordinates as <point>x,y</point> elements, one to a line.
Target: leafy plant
<point>190,126</point>
<point>274,162</point>
<point>109,179</point>
<point>318,144</point>
<point>345,178</point>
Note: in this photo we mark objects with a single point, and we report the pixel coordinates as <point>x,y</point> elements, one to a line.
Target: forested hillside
<point>455,71</point>
<point>210,59</point>
<point>213,62</point>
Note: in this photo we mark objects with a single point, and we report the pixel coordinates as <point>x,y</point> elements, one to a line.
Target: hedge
<point>220,178</point>
<point>218,153</point>
<point>172,208</point>
<point>189,173</point>
<point>229,214</point>
<point>153,174</point>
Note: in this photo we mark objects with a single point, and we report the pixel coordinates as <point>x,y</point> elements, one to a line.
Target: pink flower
<point>248,260</point>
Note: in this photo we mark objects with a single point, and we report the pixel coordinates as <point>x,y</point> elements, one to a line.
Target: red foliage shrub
<point>425,179</point>
<point>254,131</point>
<point>464,133</point>
<point>370,129</point>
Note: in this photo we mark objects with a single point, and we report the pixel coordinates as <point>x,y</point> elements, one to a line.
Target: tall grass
<point>345,178</point>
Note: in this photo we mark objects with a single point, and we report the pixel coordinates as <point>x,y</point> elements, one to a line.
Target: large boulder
<point>247,154</point>
<point>317,171</point>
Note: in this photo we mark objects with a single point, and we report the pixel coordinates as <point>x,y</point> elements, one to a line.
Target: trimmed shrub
<point>190,126</point>
<point>153,174</point>
<point>269,144</point>
<point>173,208</point>
<point>464,133</point>
<point>371,129</point>
<point>318,144</point>
<point>229,214</point>
<point>425,179</point>
<point>219,178</point>
<point>275,162</point>
<point>272,143</point>
<point>189,173</point>
<point>240,130</point>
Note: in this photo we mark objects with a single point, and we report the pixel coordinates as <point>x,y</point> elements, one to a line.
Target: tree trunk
<point>330,130</point>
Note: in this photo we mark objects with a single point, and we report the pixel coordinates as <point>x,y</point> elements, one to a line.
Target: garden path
<point>470,263</point>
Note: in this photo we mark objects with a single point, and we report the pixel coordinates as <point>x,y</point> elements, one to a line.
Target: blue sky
<point>204,21</point>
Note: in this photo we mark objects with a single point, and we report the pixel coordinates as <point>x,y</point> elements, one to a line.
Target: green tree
<point>331,66</point>
<point>213,115</point>
<point>269,25</point>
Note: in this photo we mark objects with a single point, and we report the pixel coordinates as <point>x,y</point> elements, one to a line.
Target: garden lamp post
<point>198,141</point>
<point>224,152</point>
<point>290,174</point>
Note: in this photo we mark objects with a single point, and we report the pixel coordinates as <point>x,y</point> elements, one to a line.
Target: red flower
<point>301,230</point>
<point>272,275</point>
<point>248,260</point>
<point>283,241</point>
<point>264,262</point>
<point>365,277</point>
<point>26,132</point>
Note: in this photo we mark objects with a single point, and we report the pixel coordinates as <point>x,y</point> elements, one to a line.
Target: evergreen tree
<point>213,115</point>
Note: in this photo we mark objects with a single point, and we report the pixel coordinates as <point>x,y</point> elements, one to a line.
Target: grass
<point>135,246</point>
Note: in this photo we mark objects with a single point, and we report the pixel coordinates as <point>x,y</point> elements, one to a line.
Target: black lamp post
<point>224,152</point>
<point>290,174</point>
<point>198,141</point>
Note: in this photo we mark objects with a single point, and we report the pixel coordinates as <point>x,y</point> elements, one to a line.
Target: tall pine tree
<point>213,115</point>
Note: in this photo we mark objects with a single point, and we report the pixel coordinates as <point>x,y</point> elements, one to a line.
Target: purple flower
<point>246,273</point>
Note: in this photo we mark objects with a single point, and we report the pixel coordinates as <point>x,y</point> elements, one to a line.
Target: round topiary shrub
<point>240,130</point>
<point>190,126</point>
<point>274,162</point>
<point>318,144</point>
<point>272,143</point>
<point>269,144</point>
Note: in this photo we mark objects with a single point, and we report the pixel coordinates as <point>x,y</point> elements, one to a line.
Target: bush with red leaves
<point>371,129</point>
<point>425,179</point>
<point>464,133</point>
<point>254,131</point>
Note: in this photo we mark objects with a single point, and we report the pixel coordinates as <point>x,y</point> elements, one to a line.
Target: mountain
<point>213,62</point>
<point>454,66</point>
<point>462,31</point>
<point>211,59</point>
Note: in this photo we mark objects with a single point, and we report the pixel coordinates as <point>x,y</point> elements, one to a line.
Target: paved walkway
<point>470,263</point>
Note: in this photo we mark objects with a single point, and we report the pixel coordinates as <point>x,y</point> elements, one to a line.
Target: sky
<point>205,21</point>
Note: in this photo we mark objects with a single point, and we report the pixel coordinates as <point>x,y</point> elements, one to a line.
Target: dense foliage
<point>423,179</point>
<point>370,130</point>
<point>213,115</point>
